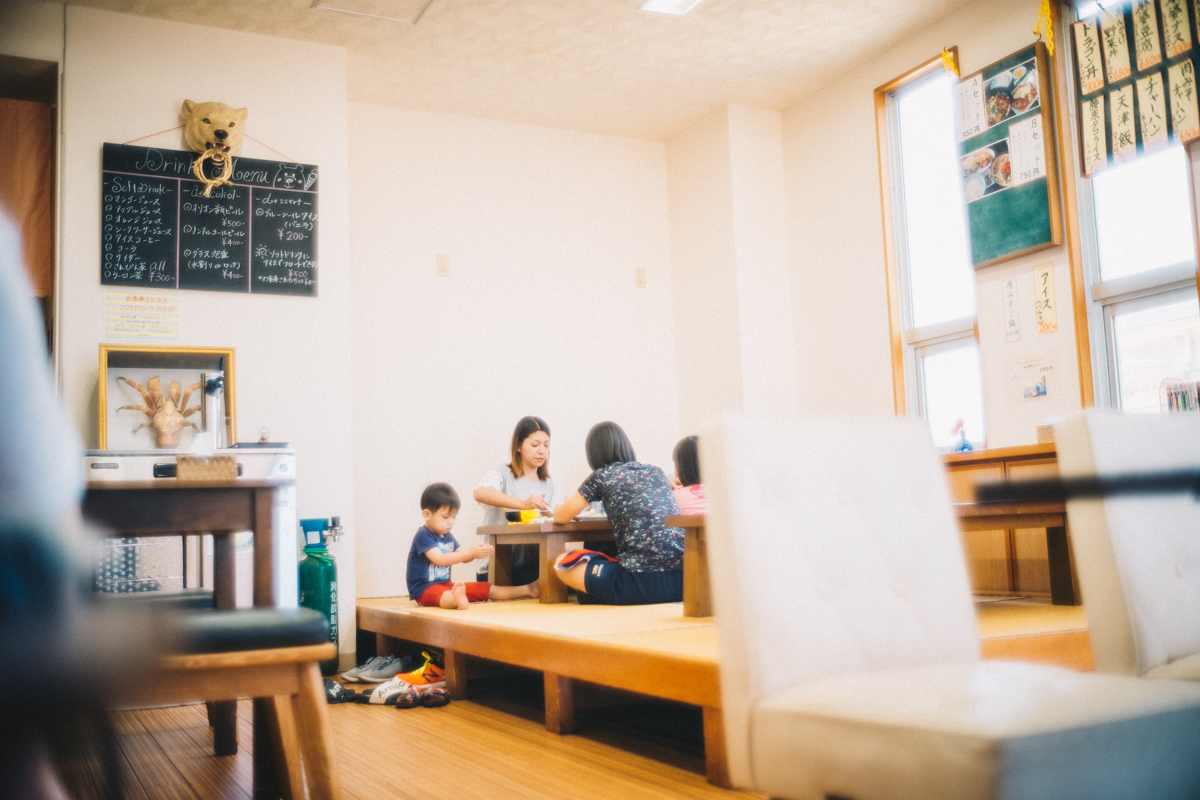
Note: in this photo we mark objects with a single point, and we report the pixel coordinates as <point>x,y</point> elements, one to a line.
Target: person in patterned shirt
<point>637,498</point>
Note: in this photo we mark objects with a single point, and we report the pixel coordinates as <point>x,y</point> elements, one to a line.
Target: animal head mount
<point>213,127</point>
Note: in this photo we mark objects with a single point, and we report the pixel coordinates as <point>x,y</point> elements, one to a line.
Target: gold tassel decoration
<point>1045,27</point>
<point>948,62</point>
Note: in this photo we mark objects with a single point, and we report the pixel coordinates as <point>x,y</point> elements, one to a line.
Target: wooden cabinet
<point>1014,560</point>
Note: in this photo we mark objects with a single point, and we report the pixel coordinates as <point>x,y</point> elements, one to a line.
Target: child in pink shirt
<point>689,491</point>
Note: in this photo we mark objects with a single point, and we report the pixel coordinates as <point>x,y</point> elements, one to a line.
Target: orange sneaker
<point>427,676</point>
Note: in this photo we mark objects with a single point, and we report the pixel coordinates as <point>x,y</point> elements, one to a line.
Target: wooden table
<point>1051,516</point>
<point>697,596</point>
<point>171,507</point>
<point>551,539</point>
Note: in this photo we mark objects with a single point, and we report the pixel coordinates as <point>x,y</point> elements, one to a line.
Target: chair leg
<point>316,737</point>
<point>284,730</point>
<point>225,729</point>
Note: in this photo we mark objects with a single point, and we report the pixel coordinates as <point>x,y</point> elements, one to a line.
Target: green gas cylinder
<point>318,581</point>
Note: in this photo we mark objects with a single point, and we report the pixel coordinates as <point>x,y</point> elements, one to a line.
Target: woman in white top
<point>523,483</point>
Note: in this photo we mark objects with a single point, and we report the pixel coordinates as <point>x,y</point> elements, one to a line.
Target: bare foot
<point>535,589</point>
<point>460,594</point>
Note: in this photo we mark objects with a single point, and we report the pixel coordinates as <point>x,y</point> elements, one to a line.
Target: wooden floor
<point>495,742</point>
<point>489,747</point>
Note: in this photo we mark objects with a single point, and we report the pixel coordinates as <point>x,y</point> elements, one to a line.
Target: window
<point>1141,268</point>
<point>935,354</point>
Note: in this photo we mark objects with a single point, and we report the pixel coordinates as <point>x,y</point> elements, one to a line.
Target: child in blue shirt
<point>434,550</point>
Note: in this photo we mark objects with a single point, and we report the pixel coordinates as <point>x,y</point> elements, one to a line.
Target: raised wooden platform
<point>655,650</point>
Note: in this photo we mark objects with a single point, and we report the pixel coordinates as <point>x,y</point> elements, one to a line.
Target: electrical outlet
<point>639,278</point>
<point>443,265</point>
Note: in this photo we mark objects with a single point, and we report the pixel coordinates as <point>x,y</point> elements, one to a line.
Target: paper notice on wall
<point>969,106</point>
<point>1177,33</point>
<point>141,315</point>
<point>1026,150</point>
<point>1145,34</point>
<point>1032,378</point>
<point>1087,49</point>
<point>1116,45</point>
<point>1185,114</point>
<point>1095,154</point>
<point>1152,112</point>
<point>1045,305</point>
<point>1122,124</point>
<point>1012,311</point>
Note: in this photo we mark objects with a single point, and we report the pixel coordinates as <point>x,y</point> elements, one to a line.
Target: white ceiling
<point>599,66</point>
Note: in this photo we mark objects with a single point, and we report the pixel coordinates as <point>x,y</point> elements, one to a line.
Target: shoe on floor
<point>385,694</point>
<point>435,697</point>
<point>410,698</point>
<point>351,675</point>
<point>336,693</point>
<point>427,676</point>
<point>387,670</point>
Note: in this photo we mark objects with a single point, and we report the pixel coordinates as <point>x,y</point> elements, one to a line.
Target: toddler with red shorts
<point>434,549</point>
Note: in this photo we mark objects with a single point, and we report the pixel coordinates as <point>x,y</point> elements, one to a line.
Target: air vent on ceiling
<point>406,11</point>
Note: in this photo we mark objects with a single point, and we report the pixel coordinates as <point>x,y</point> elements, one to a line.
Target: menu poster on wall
<point>1045,305</point>
<point>1145,34</point>
<point>1032,378</point>
<point>257,234</point>
<point>1177,33</point>
<point>1146,95</point>
<point>1152,113</point>
<point>1087,56</point>
<point>1115,45</point>
<point>1006,161</point>
<point>141,316</point>
<point>969,106</point>
<point>1122,124</point>
<point>1012,311</point>
<point>1185,115</point>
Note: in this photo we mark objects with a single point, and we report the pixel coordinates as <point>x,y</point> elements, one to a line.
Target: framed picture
<point>1007,160</point>
<point>143,388</point>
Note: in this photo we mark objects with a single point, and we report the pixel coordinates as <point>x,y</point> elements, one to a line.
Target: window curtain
<point>27,184</point>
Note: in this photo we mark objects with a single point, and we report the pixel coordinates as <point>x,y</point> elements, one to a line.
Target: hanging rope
<point>226,162</point>
<point>948,62</point>
<point>1045,27</point>
<point>168,130</point>
<point>272,149</point>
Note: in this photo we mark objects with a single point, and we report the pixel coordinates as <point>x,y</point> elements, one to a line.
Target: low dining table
<point>1051,516</point>
<point>552,537</point>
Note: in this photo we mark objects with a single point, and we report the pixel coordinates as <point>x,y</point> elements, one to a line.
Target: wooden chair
<point>226,655</point>
<point>1138,558</point>
<point>850,660</point>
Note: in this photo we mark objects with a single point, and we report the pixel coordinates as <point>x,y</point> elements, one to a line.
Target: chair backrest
<point>832,548</point>
<point>1138,558</point>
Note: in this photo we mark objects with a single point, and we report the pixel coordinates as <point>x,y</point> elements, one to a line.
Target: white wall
<point>539,314</point>
<point>731,285</point>
<point>125,77</point>
<point>835,238</point>
<point>704,283</point>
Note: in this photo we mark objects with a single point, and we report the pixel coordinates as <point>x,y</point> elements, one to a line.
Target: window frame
<point>909,344</point>
<point>1095,299</point>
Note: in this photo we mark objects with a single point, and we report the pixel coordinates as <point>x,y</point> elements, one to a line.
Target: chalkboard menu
<point>1006,157</point>
<point>257,234</point>
<point>1135,79</point>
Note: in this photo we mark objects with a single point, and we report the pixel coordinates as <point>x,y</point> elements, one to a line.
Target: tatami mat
<point>1027,618</point>
<point>561,619</point>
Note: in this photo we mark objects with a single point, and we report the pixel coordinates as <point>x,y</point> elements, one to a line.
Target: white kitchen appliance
<point>254,462</point>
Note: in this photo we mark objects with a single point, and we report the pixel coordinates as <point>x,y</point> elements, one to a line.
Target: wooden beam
<point>560,703</point>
